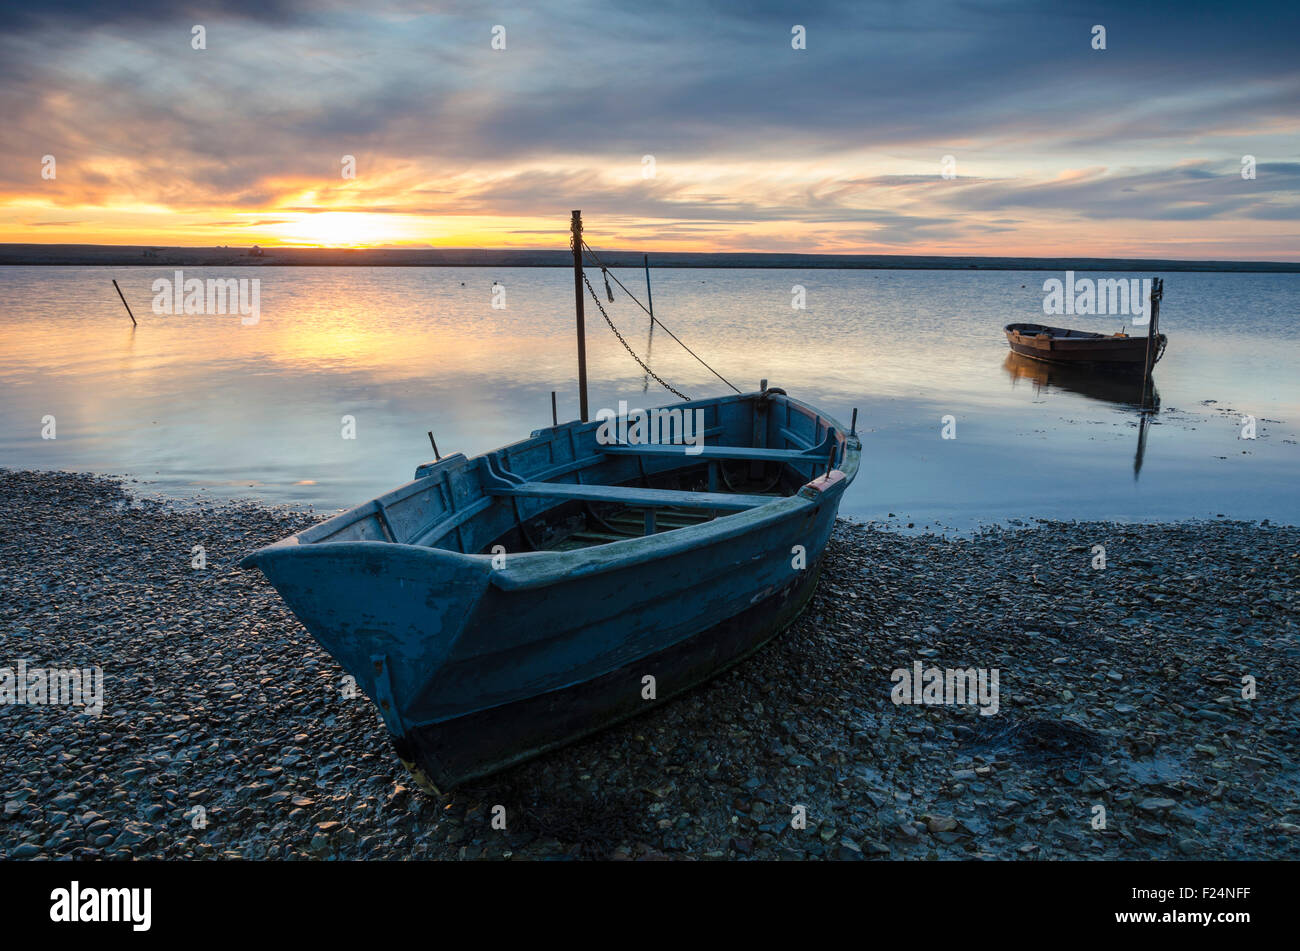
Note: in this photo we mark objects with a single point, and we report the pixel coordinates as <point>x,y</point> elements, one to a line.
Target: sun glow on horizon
<point>347,229</point>
<point>853,204</point>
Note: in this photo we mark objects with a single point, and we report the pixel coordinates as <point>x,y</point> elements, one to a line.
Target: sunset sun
<point>344,229</point>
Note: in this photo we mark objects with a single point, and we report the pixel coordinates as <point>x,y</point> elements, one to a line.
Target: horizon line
<point>64,254</point>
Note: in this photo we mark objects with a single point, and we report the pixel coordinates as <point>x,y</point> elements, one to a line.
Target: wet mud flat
<point>1147,709</point>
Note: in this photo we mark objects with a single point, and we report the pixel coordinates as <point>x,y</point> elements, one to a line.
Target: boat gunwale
<point>1067,333</point>
<point>541,568</point>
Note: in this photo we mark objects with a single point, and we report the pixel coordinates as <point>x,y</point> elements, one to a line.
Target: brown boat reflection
<point>1120,389</point>
<point>1095,384</point>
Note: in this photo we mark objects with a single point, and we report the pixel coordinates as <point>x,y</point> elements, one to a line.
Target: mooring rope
<point>660,380</point>
<point>653,318</point>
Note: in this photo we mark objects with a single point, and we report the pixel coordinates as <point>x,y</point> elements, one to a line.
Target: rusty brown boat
<point>1082,348</point>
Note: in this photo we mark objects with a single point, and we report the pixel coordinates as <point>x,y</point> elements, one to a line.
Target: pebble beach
<point>1149,709</point>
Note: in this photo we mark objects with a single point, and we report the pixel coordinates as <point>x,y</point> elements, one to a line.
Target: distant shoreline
<point>153,256</point>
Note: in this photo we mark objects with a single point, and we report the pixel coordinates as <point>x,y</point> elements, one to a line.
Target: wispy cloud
<point>755,144</point>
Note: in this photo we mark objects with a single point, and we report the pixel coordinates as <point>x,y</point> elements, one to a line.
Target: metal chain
<point>653,319</point>
<point>658,379</point>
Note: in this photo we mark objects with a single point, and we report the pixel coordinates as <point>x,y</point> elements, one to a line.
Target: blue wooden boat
<point>500,606</point>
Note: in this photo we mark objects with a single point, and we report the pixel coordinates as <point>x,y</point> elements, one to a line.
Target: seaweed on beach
<point>1037,741</point>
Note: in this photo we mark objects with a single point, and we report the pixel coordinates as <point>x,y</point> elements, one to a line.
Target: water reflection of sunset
<point>204,400</point>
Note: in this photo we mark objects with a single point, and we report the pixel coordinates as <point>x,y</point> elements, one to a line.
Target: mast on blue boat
<point>576,228</point>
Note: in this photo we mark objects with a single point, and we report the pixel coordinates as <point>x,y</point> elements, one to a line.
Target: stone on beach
<point>225,731</point>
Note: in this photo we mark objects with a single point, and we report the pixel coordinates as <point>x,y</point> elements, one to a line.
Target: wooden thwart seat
<point>709,453</point>
<point>634,496</point>
<point>819,453</point>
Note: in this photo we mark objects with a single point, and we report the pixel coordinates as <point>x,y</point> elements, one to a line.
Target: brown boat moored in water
<point>1080,347</point>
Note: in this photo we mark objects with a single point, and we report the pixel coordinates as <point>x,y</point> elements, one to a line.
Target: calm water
<point>203,405</point>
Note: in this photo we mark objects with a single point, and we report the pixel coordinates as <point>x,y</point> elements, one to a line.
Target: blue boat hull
<point>450,752</point>
<point>477,663</point>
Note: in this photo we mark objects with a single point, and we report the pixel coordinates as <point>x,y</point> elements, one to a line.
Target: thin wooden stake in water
<point>436,457</point>
<point>576,228</point>
<point>125,304</point>
<point>555,416</point>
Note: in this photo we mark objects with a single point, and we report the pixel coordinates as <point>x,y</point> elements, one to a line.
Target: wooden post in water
<point>124,303</point>
<point>555,416</point>
<point>1153,334</point>
<point>576,228</point>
